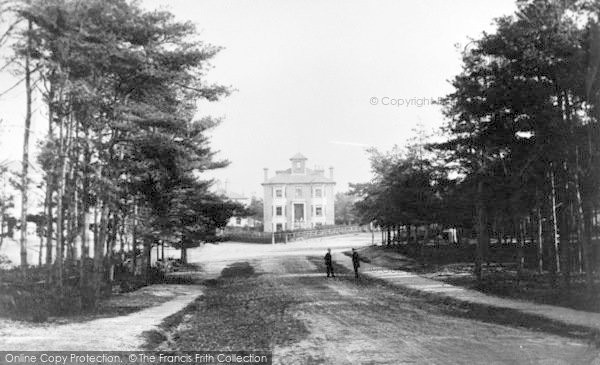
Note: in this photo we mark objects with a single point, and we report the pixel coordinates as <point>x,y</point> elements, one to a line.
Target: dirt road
<point>352,323</point>
<point>283,299</point>
<point>366,322</point>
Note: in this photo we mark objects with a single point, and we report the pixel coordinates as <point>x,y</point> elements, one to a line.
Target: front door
<point>298,212</point>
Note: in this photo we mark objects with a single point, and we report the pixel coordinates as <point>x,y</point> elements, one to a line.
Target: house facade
<point>298,197</point>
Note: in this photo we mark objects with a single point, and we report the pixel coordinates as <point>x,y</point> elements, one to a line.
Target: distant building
<point>298,197</point>
<point>238,198</point>
<point>235,221</point>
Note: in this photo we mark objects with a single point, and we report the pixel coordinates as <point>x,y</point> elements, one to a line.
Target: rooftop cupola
<point>298,164</point>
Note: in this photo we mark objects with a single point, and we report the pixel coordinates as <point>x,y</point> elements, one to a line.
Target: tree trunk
<point>589,249</point>
<point>85,196</point>
<point>555,268</point>
<point>147,259</point>
<point>584,234</point>
<point>49,220</point>
<point>122,223</point>
<point>83,281</point>
<point>40,253</point>
<point>134,238</point>
<point>99,253</point>
<point>25,166</point>
<point>580,211</point>
<point>183,254</point>
<point>565,241</point>
<point>389,235</point>
<point>59,208</point>
<point>74,219</point>
<point>540,239</point>
<point>2,225</point>
<point>113,233</point>
<point>482,236</point>
<point>66,180</point>
<point>425,240</point>
<point>49,179</point>
<point>519,229</point>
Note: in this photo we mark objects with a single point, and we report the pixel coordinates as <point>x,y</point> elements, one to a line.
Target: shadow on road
<point>238,269</point>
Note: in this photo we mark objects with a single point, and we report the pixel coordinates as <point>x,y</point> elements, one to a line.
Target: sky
<point>327,78</point>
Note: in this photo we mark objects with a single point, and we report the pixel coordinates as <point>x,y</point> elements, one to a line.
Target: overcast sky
<point>306,74</point>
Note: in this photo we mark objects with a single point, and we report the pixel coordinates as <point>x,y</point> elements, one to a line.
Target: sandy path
<point>352,323</point>
<point>117,333</point>
<point>124,332</point>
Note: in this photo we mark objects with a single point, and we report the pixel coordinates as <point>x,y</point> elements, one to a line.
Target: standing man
<point>355,262</point>
<point>329,263</point>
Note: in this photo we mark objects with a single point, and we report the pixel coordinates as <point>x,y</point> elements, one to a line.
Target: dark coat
<point>355,259</point>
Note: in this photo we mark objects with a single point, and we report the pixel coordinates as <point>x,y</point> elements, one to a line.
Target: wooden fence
<point>289,236</point>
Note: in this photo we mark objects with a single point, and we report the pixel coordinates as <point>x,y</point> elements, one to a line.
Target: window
<point>278,211</point>
<point>298,192</point>
<point>319,211</point>
<point>279,227</point>
<point>278,193</point>
<point>238,220</point>
<point>318,193</point>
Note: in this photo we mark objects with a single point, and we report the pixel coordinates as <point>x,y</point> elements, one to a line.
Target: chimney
<point>331,173</point>
<point>266,174</point>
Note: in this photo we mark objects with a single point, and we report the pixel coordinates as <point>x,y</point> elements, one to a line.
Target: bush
<point>5,263</point>
<point>32,294</point>
<point>36,302</point>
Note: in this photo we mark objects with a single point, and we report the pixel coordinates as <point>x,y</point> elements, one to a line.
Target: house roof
<point>298,156</point>
<point>235,196</point>
<point>298,179</point>
<point>231,195</point>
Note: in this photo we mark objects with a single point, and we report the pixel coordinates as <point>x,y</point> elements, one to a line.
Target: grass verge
<point>500,279</point>
<point>238,311</point>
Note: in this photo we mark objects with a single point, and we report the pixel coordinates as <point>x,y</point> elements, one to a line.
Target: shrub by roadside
<point>33,295</point>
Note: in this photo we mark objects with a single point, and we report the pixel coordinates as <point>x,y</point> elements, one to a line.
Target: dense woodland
<point>519,164</point>
<point>124,152</point>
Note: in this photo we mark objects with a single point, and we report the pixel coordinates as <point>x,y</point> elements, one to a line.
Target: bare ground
<point>277,297</point>
<point>316,320</point>
<point>356,322</point>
